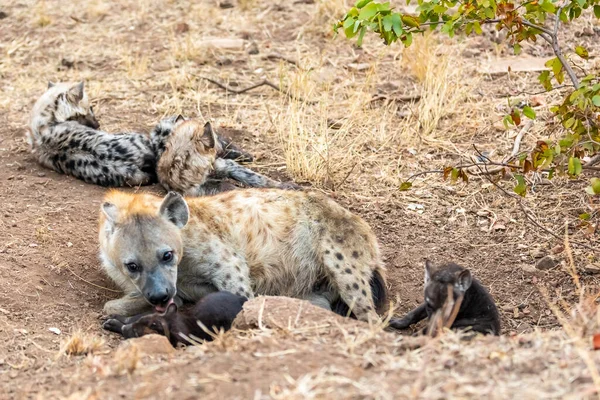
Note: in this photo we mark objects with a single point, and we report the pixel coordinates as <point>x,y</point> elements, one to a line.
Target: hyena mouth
<point>162,309</point>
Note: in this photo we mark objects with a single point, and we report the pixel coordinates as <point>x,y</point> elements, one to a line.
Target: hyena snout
<point>158,291</point>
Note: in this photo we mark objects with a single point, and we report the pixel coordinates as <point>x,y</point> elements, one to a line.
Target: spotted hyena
<point>64,136</point>
<point>248,242</point>
<point>190,162</point>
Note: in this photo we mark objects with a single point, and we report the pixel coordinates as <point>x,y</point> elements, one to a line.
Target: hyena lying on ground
<point>215,311</point>
<point>477,309</point>
<point>190,163</point>
<point>248,242</point>
<point>64,136</point>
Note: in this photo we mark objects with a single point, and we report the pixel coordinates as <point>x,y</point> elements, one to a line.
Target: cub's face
<point>440,281</point>
<point>72,104</point>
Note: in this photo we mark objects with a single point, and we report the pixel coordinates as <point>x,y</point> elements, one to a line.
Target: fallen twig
<point>264,82</point>
<point>275,56</point>
<point>402,99</point>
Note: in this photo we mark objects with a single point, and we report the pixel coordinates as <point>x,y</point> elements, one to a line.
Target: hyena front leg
<point>231,169</point>
<point>232,152</point>
<point>127,306</point>
<point>351,277</point>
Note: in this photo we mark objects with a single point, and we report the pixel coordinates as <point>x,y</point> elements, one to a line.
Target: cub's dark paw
<point>397,323</point>
<point>113,325</point>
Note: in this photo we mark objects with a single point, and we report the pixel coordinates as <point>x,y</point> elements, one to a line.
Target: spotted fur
<point>248,242</point>
<point>64,136</point>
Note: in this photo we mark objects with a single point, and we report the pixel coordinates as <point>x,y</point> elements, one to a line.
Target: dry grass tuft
<point>81,343</point>
<point>443,82</point>
<point>126,360</point>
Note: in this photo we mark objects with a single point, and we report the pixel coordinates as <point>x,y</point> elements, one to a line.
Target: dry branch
<point>264,82</point>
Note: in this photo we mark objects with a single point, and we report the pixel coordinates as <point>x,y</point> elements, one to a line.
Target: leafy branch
<point>523,21</point>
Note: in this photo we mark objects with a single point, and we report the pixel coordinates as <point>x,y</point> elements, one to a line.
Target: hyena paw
<point>290,186</point>
<point>113,325</point>
<point>398,323</point>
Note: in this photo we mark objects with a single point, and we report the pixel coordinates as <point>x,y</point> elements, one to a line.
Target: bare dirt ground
<point>349,131</point>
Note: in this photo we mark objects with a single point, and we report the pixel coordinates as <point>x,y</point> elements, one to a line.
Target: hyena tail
<point>380,297</point>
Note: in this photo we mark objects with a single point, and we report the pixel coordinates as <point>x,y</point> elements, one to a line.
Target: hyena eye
<point>133,267</point>
<point>167,256</point>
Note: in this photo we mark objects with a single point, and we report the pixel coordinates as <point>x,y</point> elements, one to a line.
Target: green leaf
<point>597,11</point>
<point>595,184</point>
<point>585,216</point>
<point>548,7</point>
<point>361,36</point>
<point>574,166</point>
<point>477,27</point>
<point>528,112</point>
<point>582,52</point>
<point>556,66</point>
<point>405,186</point>
<point>397,24</point>
<point>520,188</point>
<point>368,11</point>
<point>388,22</point>
<point>517,49</point>
<point>596,100</point>
<point>408,40</point>
<point>362,3</point>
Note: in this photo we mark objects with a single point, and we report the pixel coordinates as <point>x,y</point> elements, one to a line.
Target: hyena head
<point>189,155</point>
<point>438,280</point>
<point>68,102</point>
<point>141,243</point>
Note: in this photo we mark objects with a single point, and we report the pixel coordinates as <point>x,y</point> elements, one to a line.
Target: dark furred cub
<point>215,311</point>
<point>477,310</point>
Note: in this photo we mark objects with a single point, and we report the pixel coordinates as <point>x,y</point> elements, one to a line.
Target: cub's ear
<point>175,209</point>
<point>51,84</point>
<point>171,309</point>
<point>428,271</point>
<point>179,118</point>
<point>464,280</point>
<point>76,92</point>
<point>208,137</point>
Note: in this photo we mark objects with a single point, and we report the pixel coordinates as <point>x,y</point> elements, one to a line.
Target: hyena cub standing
<point>190,162</point>
<point>250,242</point>
<point>64,136</point>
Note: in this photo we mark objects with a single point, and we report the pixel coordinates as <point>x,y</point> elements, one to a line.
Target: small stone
<point>530,270</point>
<point>557,249</point>
<point>225,4</point>
<point>149,345</point>
<point>592,269</point>
<point>546,263</point>
<point>69,244</point>
<point>253,48</point>
<point>537,253</point>
<point>359,66</point>
<point>3,15</point>
<point>56,331</point>
<point>181,27</point>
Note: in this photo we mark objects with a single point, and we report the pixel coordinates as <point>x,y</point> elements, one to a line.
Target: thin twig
<point>275,56</point>
<point>93,284</point>
<point>524,210</point>
<point>535,93</point>
<point>403,99</point>
<point>264,82</point>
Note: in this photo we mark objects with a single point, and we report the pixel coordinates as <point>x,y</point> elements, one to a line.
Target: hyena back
<point>189,160</point>
<point>64,136</point>
<point>250,242</point>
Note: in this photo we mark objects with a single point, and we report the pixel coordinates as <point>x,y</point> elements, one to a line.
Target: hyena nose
<point>159,298</point>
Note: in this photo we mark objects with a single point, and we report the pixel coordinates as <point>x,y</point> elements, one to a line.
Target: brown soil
<point>140,65</point>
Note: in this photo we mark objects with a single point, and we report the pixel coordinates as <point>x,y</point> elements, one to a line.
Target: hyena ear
<point>464,280</point>
<point>428,271</point>
<point>208,136</point>
<point>110,211</point>
<point>51,84</point>
<point>179,118</point>
<point>76,92</point>
<point>175,209</point>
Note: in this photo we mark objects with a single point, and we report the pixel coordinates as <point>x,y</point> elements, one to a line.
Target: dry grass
<point>81,343</point>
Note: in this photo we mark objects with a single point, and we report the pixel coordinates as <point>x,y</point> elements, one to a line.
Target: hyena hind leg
<point>231,169</point>
<point>354,287</point>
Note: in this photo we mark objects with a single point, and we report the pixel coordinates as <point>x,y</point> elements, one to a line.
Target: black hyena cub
<point>215,311</point>
<point>477,310</point>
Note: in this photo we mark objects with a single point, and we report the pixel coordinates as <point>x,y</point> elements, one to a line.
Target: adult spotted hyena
<point>248,242</point>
